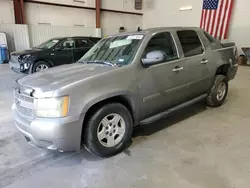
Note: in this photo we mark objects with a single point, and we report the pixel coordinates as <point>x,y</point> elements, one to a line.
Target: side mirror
<point>153,57</point>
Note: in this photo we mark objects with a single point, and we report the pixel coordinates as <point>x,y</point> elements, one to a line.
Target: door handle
<point>204,61</point>
<point>178,69</point>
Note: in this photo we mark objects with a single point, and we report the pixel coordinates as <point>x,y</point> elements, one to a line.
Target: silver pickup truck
<point>123,81</point>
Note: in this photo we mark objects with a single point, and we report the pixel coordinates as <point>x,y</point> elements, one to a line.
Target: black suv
<point>54,52</point>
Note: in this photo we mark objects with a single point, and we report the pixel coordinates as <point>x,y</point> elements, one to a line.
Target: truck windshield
<point>117,50</point>
<point>48,44</point>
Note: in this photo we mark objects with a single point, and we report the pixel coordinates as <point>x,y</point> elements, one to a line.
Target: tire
<point>97,123</point>
<point>215,97</point>
<point>40,64</point>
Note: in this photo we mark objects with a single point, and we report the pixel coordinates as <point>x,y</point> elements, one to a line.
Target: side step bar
<point>167,112</point>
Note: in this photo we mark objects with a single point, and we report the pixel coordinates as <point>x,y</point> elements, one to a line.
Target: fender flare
<point>130,98</point>
<point>48,61</point>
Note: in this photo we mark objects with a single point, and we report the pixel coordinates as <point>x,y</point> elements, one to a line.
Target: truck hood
<point>25,52</point>
<point>63,75</point>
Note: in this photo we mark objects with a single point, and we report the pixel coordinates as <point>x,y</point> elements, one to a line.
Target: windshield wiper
<point>98,62</point>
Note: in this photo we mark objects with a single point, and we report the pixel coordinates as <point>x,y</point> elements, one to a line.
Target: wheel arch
<point>123,99</point>
<point>41,59</point>
<point>223,70</point>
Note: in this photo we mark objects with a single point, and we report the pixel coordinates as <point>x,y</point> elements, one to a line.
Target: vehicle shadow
<point>147,130</point>
<point>170,120</point>
<point>74,158</point>
<point>52,159</point>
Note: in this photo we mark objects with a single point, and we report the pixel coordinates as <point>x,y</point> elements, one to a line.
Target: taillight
<point>235,52</point>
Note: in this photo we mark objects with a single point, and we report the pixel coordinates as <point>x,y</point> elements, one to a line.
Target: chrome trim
<point>178,69</point>
<point>24,104</point>
<point>223,48</point>
<point>151,97</point>
<point>204,62</point>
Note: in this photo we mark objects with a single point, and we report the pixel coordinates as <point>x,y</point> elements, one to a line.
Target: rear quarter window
<point>212,40</point>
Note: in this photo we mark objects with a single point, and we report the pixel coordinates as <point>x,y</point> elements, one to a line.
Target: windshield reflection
<point>118,50</point>
<point>48,44</point>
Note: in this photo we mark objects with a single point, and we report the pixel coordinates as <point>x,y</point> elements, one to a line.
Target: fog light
<point>26,65</point>
<point>21,67</point>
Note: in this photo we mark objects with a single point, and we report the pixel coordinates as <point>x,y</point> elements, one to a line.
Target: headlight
<point>26,56</point>
<point>52,107</point>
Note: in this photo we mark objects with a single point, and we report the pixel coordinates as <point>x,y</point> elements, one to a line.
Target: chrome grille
<point>24,97</point>
<point>24,104</point>
<point>25,111</point>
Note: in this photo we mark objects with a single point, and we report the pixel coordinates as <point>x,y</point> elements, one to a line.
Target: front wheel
<point>109,130</point>
<point>218,92</point>
<point>40,66</point>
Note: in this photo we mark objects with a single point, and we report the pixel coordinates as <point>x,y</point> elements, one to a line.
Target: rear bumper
<point>63,134</point>
<point>232,71</point>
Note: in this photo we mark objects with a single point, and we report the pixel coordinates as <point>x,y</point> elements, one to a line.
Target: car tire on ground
<point>40,66</point>
<point>109,130</point>
<point>218,92</point>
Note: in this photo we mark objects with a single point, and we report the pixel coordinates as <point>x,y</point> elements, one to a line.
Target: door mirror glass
<point>153,57</point>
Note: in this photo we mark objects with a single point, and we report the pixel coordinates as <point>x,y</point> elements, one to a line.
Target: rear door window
<point>190,42</point>
<point>83,43</point>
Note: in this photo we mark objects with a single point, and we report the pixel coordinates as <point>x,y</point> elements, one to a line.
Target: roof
<point>85,37</point>
<point>156,29</point>
<point>60,38</point>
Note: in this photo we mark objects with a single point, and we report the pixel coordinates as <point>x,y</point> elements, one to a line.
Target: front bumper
<point>18,68</point>
<point>62,134</point>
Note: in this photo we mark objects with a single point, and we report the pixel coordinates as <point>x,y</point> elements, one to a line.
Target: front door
<point>82,46</point>
<point>162,85</point>
<point>63,53</point>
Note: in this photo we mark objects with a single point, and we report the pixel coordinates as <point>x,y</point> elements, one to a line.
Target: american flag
<point>216,16</point>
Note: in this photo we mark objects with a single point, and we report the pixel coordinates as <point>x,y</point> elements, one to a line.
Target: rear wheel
<point>218,92</point>
<point>40,66</point>
<point>109,130</point>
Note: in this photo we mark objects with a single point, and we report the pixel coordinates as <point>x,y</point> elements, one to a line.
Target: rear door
<point>82,46</point>
<point>198,60</point>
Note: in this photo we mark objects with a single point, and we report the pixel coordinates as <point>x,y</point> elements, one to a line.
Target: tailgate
<point>229,54</point>
<point>228,44</point>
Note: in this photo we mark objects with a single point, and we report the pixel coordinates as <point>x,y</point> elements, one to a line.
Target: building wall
<point>39,14</point>
<point>125,5</point>
<point>6,12</point>
<point>159,13</point>
<point>64,16</point>
<point>166,13</point>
